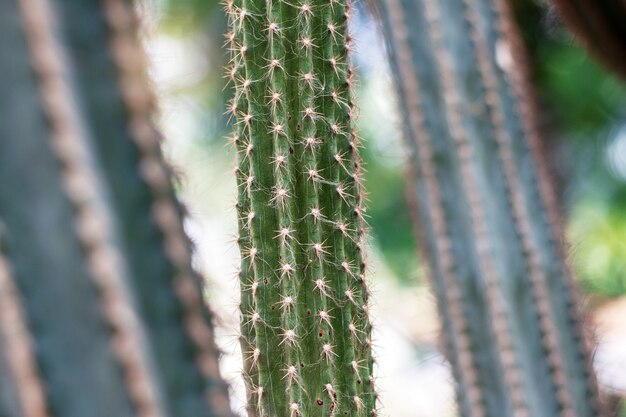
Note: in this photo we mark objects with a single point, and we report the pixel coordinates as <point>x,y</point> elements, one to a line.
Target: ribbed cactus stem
<point>100,262</point>
<point>486,216</point>
<point>305,328</point>
<point>85,192</point>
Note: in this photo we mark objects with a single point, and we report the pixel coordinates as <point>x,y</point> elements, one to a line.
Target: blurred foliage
<point>583,109</point>
<point>388,216</point>
<point>599,257</point>
<point>185,17</point>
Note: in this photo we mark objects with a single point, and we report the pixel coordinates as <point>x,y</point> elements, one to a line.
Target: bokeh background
<point>583,118</point>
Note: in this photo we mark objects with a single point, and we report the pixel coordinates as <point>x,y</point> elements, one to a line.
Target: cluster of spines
<point>305,329</point>
<point>452,301</point>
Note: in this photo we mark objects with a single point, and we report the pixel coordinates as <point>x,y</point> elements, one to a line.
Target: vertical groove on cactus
<point>16,347</point>
<point>100,257</point>
<point>488,221</point>
<point>92,222</point>
<point>305,330</point>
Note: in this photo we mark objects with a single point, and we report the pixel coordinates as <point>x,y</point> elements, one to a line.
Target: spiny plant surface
<point>487,220</point>
<point>305,331</point>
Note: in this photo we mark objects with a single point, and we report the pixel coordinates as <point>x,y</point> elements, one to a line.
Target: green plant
<point>487,221</point>
<point>305,330</point>
<point>95,267</point>
<point>599,25</point>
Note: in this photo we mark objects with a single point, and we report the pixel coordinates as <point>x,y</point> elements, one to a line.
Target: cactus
<point>101,312</point>
<point>487,223</point>
<point>305,332</point>
<point>599,24</point>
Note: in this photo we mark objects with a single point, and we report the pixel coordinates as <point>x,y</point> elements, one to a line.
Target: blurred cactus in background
<point>488,224</point>
<point>101,313</point>
<point>305,329</point>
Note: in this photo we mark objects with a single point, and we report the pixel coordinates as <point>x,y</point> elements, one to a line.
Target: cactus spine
<point>95,263</point>
<point>305,330</point>
<point>487,224</point>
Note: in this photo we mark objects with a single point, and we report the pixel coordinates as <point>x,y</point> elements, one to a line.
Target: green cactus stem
<point>96,259</point>
<point>305,330</point>
<point>485,217</point>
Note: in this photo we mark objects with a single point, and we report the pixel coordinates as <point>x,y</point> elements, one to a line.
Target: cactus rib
<point>83,190</point>
<point>16,347</point>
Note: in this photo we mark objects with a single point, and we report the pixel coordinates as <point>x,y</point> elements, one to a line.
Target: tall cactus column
<point>305,327</point>
<point>485,214</point>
